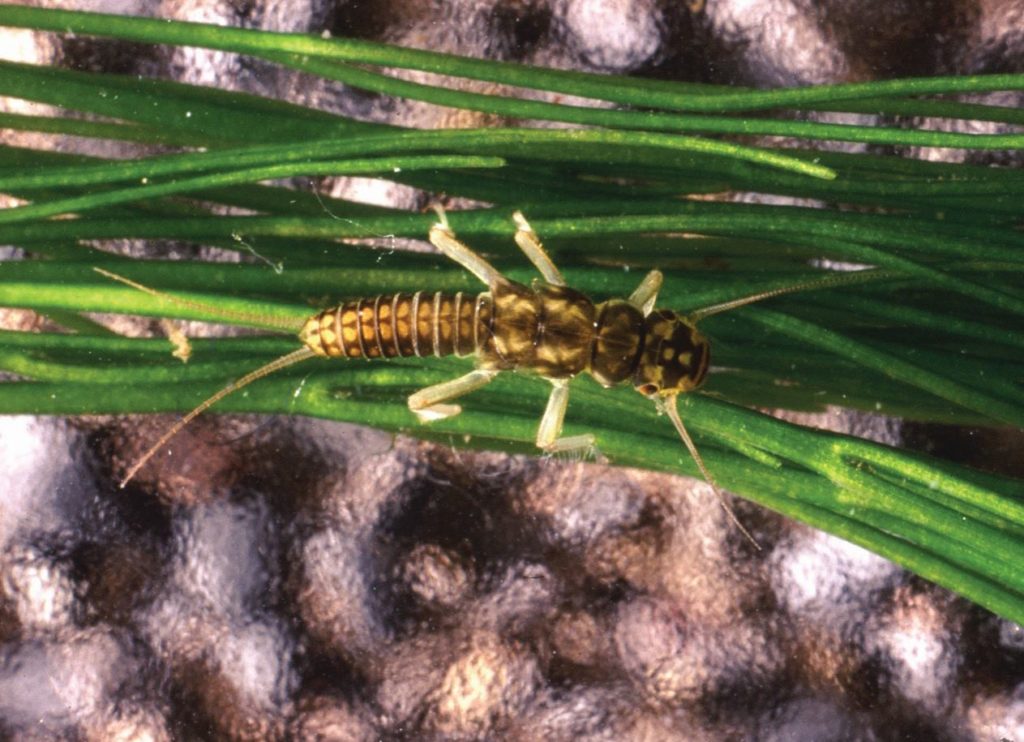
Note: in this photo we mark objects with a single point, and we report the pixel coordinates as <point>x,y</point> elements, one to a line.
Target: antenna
<point>846,278</point>
<point>668,406</point>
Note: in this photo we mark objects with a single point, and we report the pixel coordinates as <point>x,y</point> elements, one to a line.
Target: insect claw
<point>583,447</point>
<point>442,218</point>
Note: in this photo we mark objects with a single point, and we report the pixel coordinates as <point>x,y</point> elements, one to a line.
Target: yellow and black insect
<point>547,329</point>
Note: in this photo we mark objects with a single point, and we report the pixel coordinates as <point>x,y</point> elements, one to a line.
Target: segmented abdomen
<point>392,325</point>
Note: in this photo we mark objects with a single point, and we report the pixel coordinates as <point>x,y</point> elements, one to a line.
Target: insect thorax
<point>558,332</point>
<point>544,329</point>
<point>618,342</point>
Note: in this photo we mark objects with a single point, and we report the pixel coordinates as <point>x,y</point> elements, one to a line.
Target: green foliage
<point>942,342</point>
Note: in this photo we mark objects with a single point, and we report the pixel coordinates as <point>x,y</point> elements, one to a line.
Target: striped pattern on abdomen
<point>391,325</point>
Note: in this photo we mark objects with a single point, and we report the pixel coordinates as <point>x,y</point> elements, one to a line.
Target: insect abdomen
<point>393,325</point>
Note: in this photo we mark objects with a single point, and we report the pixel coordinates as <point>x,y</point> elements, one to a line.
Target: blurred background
<point>292,579</point>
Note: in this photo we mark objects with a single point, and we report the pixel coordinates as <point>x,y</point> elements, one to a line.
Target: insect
<point>546,328</point>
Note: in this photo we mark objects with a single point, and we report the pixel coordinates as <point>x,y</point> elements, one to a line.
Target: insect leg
<point>551,424</point>
<point>529,243</point>
<point>427,404</point>
<point>442,237</point>
<point>646,293</point>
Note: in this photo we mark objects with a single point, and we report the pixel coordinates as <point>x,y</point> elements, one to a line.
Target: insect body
<point>546,328</point>
<point>550,330</point>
